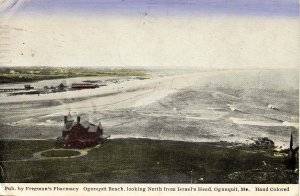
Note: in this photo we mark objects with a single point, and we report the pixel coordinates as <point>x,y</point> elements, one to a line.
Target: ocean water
<point>232,106</point>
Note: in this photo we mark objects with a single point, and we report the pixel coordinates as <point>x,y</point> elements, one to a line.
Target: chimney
<point>291,142</point>
<point>78,119</point>
<point>65,119</point>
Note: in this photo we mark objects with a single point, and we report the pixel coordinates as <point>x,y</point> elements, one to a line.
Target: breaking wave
<point>242,121</point>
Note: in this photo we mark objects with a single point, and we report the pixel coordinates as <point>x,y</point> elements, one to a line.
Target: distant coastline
<point>33,74</point>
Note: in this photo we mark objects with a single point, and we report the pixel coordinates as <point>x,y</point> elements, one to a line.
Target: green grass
<point>23,149</point>
<point>148,161</point>
<point>60,153</point>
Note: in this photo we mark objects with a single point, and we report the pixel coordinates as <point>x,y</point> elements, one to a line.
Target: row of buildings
<point>28,89</point>
<point>63,87</point>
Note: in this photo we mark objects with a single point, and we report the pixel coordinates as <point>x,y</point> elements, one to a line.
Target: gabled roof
<point>85,124</point>
<point>92,127</point>
<point>90,124</point>
<point>69,117</point>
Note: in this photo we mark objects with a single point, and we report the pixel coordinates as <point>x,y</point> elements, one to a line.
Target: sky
<point>163,7</point>
<point>190,33</point>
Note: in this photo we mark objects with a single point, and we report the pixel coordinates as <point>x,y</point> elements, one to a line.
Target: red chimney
<point>65,119</point>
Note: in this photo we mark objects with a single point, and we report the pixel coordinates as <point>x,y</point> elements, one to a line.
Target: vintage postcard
<point>149,97</point>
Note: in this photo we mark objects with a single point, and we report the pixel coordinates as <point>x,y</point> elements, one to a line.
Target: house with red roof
<point>81,134</point>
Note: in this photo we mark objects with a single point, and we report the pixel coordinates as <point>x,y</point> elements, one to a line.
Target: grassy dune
<point>148,161</point>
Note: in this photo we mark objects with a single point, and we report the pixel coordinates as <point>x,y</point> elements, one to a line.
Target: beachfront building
<point>84,86</point>
<point>61,87</point>
<point>81,134</point>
